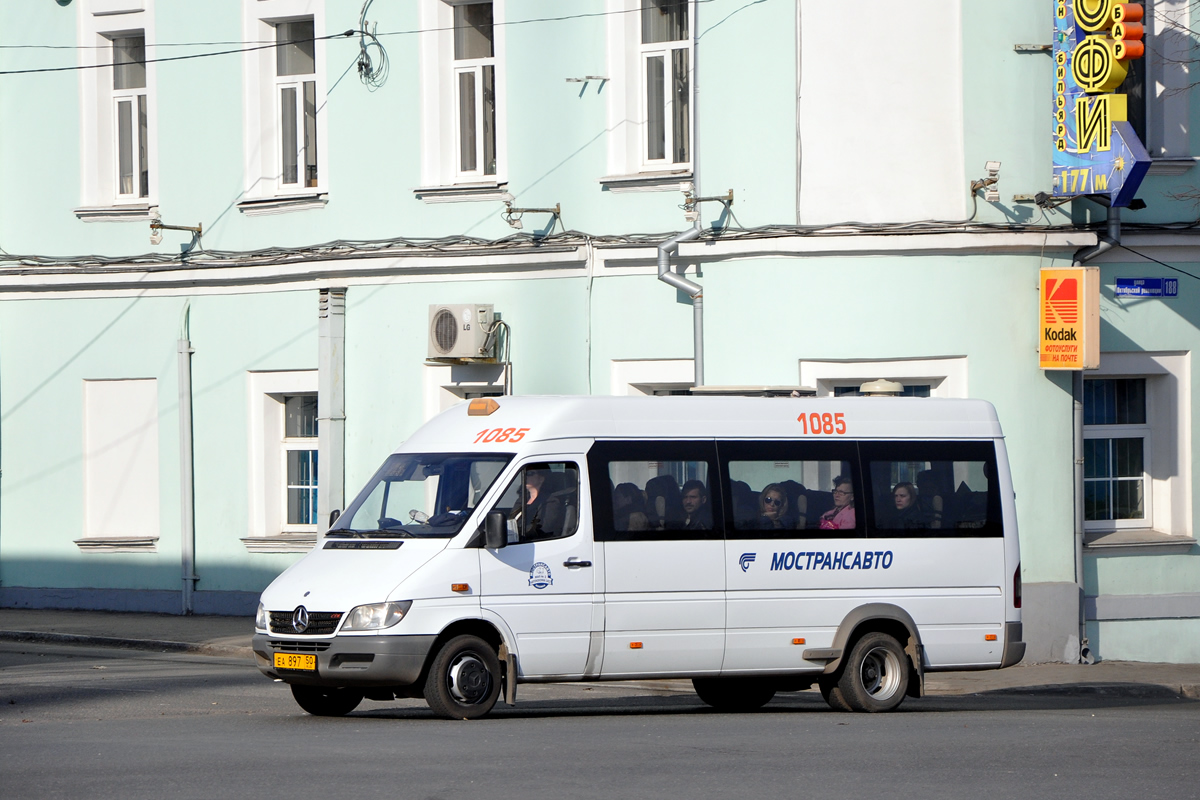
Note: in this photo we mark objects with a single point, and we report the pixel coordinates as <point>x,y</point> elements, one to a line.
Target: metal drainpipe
<point>693,289</point>
<point>1107,242</point>
<point>187,487</point>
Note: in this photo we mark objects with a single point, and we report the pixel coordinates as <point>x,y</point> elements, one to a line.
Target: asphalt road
<point>80,722</point>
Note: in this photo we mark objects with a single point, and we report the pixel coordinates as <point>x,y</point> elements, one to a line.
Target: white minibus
<point>753,545</point>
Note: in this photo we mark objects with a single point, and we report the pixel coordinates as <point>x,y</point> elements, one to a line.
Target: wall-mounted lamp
<point>690,201</point>
<point>991,194</point>
<point>513,215</point>
<point>157,227</point>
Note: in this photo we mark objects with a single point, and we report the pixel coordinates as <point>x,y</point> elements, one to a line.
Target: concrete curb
<point>148,645</point>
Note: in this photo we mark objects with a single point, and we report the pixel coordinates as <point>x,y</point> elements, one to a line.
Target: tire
<point>734,694</point>
<point>874,676</point>
<point>323,701</point>
<point>464,679</point>
<point>832,694</point>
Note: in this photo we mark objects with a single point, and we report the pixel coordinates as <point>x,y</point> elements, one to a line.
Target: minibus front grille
<point>320,623</point>
<point>298,647</point>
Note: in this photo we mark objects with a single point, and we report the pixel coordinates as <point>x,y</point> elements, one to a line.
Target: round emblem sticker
<point>539,576</point>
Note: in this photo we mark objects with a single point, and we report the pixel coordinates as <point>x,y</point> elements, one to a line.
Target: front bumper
<point>347,660</point>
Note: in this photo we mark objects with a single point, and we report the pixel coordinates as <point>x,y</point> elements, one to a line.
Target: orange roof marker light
<point>482,407</point>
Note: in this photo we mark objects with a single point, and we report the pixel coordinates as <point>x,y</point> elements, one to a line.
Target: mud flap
<point>510,674</point>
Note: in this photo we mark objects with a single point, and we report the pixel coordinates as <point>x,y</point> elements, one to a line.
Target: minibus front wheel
<point>464,679</point>
<point>874,677</point>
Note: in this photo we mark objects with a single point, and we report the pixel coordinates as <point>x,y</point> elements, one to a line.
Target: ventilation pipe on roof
<point>665,250</point>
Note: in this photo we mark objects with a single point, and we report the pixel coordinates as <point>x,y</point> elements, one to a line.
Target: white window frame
<point>1166,453</point>
<point>131,96</point>
<point>120,465</point>
<point>101,21</point>
<point>297,84</point>
<point>267,529</point>
<point>289,444</point>
<point>262,157</point>
<point>627,101</point>
<point>946,375</point>
<point>1168,83</point>
<point>440,165</point>
<point>447,385</point>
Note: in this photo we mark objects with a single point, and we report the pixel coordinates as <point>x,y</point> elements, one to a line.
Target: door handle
<point>572,564</point>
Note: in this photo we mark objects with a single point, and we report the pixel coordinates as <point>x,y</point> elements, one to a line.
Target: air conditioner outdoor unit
<point>460,331</point>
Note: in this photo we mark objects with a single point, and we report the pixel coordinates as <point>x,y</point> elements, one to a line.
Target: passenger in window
<point>772,507</point>
<point>929,497</point>
<point>907,512</point>
<point>841,516</point>
<point>629,508</point>
<point>696,514</point>
<point>541,515</point>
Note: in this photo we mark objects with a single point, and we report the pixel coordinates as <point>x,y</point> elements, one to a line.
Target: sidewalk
<point>230,637</point>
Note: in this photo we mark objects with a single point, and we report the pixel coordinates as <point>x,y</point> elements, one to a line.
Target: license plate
<point>295,661</point>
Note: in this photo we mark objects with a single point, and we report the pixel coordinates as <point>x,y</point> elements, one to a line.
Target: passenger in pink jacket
<point>841,516</point>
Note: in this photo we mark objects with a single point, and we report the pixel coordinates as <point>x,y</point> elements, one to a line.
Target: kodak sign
<point>1069,318</point>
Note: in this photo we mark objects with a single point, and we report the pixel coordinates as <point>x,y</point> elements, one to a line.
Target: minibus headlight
<point>262,619</point>
<point>376,616</point>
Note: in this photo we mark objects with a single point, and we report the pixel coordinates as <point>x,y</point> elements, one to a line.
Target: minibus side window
<point>928,489</point>
<point>798,489</point>
<point>541,502</point>
<point>654,490</point>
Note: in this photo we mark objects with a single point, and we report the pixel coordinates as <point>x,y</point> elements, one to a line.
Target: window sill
<point>1170,166</point>
<point>138,212</point>
<point>281,543</point>
<point>1136,540</point>
<point>282,205</point>
<point>118,544</point>
<point>461,193</point>
<point>665,181</point>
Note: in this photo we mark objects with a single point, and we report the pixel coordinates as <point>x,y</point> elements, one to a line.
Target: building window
<point>665,57</point>
<point>120,465</point>
<point>300,461</point>
<point>286,133</point>
<point>910,390</point>
<point>296,89</point>
<point>129,112</point>
<point>117,109</point>
<point>462,53</point>
<point>475,88</point>
<point>1115,452</point>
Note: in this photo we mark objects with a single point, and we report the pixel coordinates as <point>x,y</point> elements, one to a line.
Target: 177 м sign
<point>1095,148</point>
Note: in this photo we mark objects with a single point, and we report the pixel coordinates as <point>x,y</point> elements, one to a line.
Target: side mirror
<point>333,516</point>
<point>495,530</point>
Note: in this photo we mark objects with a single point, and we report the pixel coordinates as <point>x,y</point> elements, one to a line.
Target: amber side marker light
<point>991,637</point>
<point>482,407</point>
<point>635,645</point>
<point>797,641</point>
<point>460,587</point>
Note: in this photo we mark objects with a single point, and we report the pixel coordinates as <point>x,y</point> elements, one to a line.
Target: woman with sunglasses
<point>841,516</point>
<point>772,507</point>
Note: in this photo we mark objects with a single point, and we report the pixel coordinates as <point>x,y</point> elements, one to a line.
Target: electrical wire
<point>1156,261</point>
<point>77,67</point>
<point>372,72</point>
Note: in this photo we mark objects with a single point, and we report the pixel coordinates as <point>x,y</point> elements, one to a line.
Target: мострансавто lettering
<point>849,559</point>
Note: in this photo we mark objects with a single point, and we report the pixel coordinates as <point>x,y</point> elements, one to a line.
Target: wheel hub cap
<point>469,680</point>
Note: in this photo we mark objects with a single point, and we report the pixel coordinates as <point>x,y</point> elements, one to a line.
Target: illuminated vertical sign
<point>1096,150</point>
<point>1069,318</point>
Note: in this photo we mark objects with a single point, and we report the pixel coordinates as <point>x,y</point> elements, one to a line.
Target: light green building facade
<point>854,249</point>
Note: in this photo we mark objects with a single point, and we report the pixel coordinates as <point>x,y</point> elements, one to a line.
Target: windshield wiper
<point>378,533</point>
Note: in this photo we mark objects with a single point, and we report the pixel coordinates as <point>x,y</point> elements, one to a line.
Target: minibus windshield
<point>420,495</point>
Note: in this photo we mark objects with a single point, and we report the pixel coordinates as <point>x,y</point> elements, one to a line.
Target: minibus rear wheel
<point>874,676</point>
<point>323,701</point>
<point>464,679</point>
<point>734,694</point>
